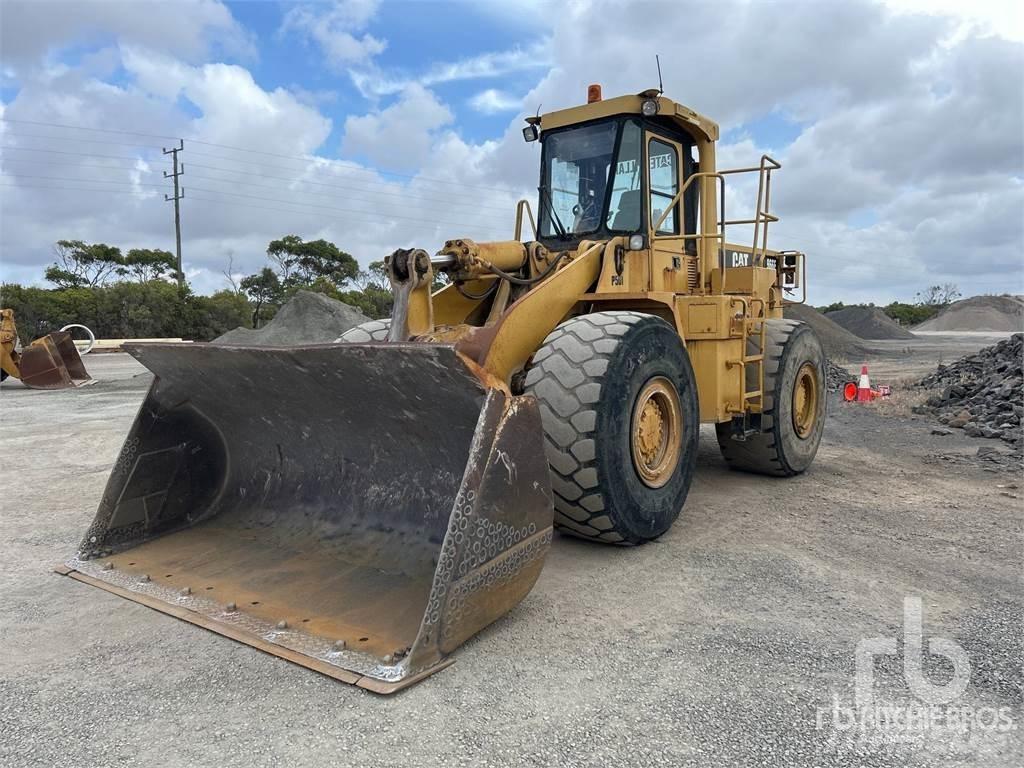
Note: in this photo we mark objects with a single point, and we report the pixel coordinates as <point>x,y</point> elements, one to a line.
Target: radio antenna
<point>661,88</point>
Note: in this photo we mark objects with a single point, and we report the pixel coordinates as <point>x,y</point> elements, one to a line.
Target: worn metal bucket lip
<point>468,590</point>
<point>346,666</point>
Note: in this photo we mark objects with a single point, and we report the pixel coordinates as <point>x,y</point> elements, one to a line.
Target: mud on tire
<point>587,377</point>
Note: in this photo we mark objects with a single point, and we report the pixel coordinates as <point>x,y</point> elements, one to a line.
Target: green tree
<point>146,264</point>
<point>909,314</point>
<point>301,263</point>
<point>80,264</point>
<point>263,289</point>
<point>834,306</point>
<point>211,316</point>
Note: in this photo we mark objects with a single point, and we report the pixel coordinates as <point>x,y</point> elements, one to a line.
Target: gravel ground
<point>727,642</point>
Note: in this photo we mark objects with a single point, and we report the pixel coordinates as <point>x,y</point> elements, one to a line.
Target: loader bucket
<point>53,362</point>
<point>360,509</point>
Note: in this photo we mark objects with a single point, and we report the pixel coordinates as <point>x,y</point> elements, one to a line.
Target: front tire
<point>618,402</point>
<point>793,418</point>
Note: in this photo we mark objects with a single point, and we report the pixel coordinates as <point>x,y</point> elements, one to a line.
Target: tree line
<point>135,294</point>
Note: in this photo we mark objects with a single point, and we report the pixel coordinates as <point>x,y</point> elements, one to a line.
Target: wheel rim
<point>805,400</point>
<point>656,432</point>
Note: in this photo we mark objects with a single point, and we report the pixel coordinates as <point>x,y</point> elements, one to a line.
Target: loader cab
<point>614,176</point>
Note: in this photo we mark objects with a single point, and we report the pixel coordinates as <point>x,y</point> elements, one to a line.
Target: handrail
<point>764,170</point>
<point>762,216</point>
<point>524,203</point>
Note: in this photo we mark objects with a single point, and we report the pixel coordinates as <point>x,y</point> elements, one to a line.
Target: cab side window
<point>664,169</point>
<point>624,209</point>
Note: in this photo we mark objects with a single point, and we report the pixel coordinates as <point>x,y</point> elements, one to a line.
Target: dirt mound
<point>308,318</point>
<point>838,342</point>
<point>979,313</point>
<point>869,323</point>
<point>981,393</point>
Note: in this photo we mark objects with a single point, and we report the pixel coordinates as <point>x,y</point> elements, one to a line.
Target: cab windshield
<point>578,169</point>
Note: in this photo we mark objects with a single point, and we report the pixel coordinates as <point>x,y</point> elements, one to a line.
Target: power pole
<point>178,195</point>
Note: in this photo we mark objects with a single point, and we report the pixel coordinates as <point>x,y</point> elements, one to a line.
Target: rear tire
<point>618,402</point>
<point>794,415</point>
<point>374,330</point>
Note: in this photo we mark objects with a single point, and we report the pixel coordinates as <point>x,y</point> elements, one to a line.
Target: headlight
<point>649,107</point>
<point>531,133</point>
<point>636,242</point>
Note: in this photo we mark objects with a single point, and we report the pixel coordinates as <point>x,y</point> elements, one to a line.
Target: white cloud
<point>187,29</point>
<point>372,81</point>
<point>985,17</point>
<point>235,110</point>
<point>400,136</point>
<point>338,30</point>
<point>493,101</point>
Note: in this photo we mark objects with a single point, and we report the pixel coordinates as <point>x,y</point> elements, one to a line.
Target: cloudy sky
<point>378,125</point>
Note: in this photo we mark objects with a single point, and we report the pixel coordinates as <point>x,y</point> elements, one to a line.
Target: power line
<point>295,179</point>
<point>327,207</point>
<point>319,216</point>
<point>400,195</point>
<point>90,181</point>
<point>81,141</point>
<point>237,194</point>
<point>201,198</point>
<point>86,128</point>
<point>33,161</point>
<point>305,159</point>
<point>63,188</point>
<point>84,154</point>
<point>321,162</point>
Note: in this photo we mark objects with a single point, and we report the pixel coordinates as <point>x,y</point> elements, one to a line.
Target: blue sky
<point>417,34</point>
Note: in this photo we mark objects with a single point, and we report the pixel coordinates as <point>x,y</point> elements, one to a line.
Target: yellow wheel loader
<point>50,362</point>
<point>364,507</point>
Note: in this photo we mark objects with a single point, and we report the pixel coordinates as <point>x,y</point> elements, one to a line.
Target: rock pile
<point>983,394</point>
<point>836,376</point>
<point>308,318</point>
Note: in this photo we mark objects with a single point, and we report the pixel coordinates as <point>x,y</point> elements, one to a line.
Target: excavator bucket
<point>360,509</point>
<point>52,362</point>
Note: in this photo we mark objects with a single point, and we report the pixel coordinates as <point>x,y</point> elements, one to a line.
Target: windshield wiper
<point>545,198</point>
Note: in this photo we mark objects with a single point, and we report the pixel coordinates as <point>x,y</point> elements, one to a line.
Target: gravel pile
<point>983,394</point>
<point>838,342</point>
<point>308,318</point>
<point>869,323</point>
<point>979,313</point>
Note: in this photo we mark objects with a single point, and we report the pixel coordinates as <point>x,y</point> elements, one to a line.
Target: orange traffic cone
<point>864,393</point>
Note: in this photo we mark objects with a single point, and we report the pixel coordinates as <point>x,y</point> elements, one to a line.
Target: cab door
<point>670,265</point>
